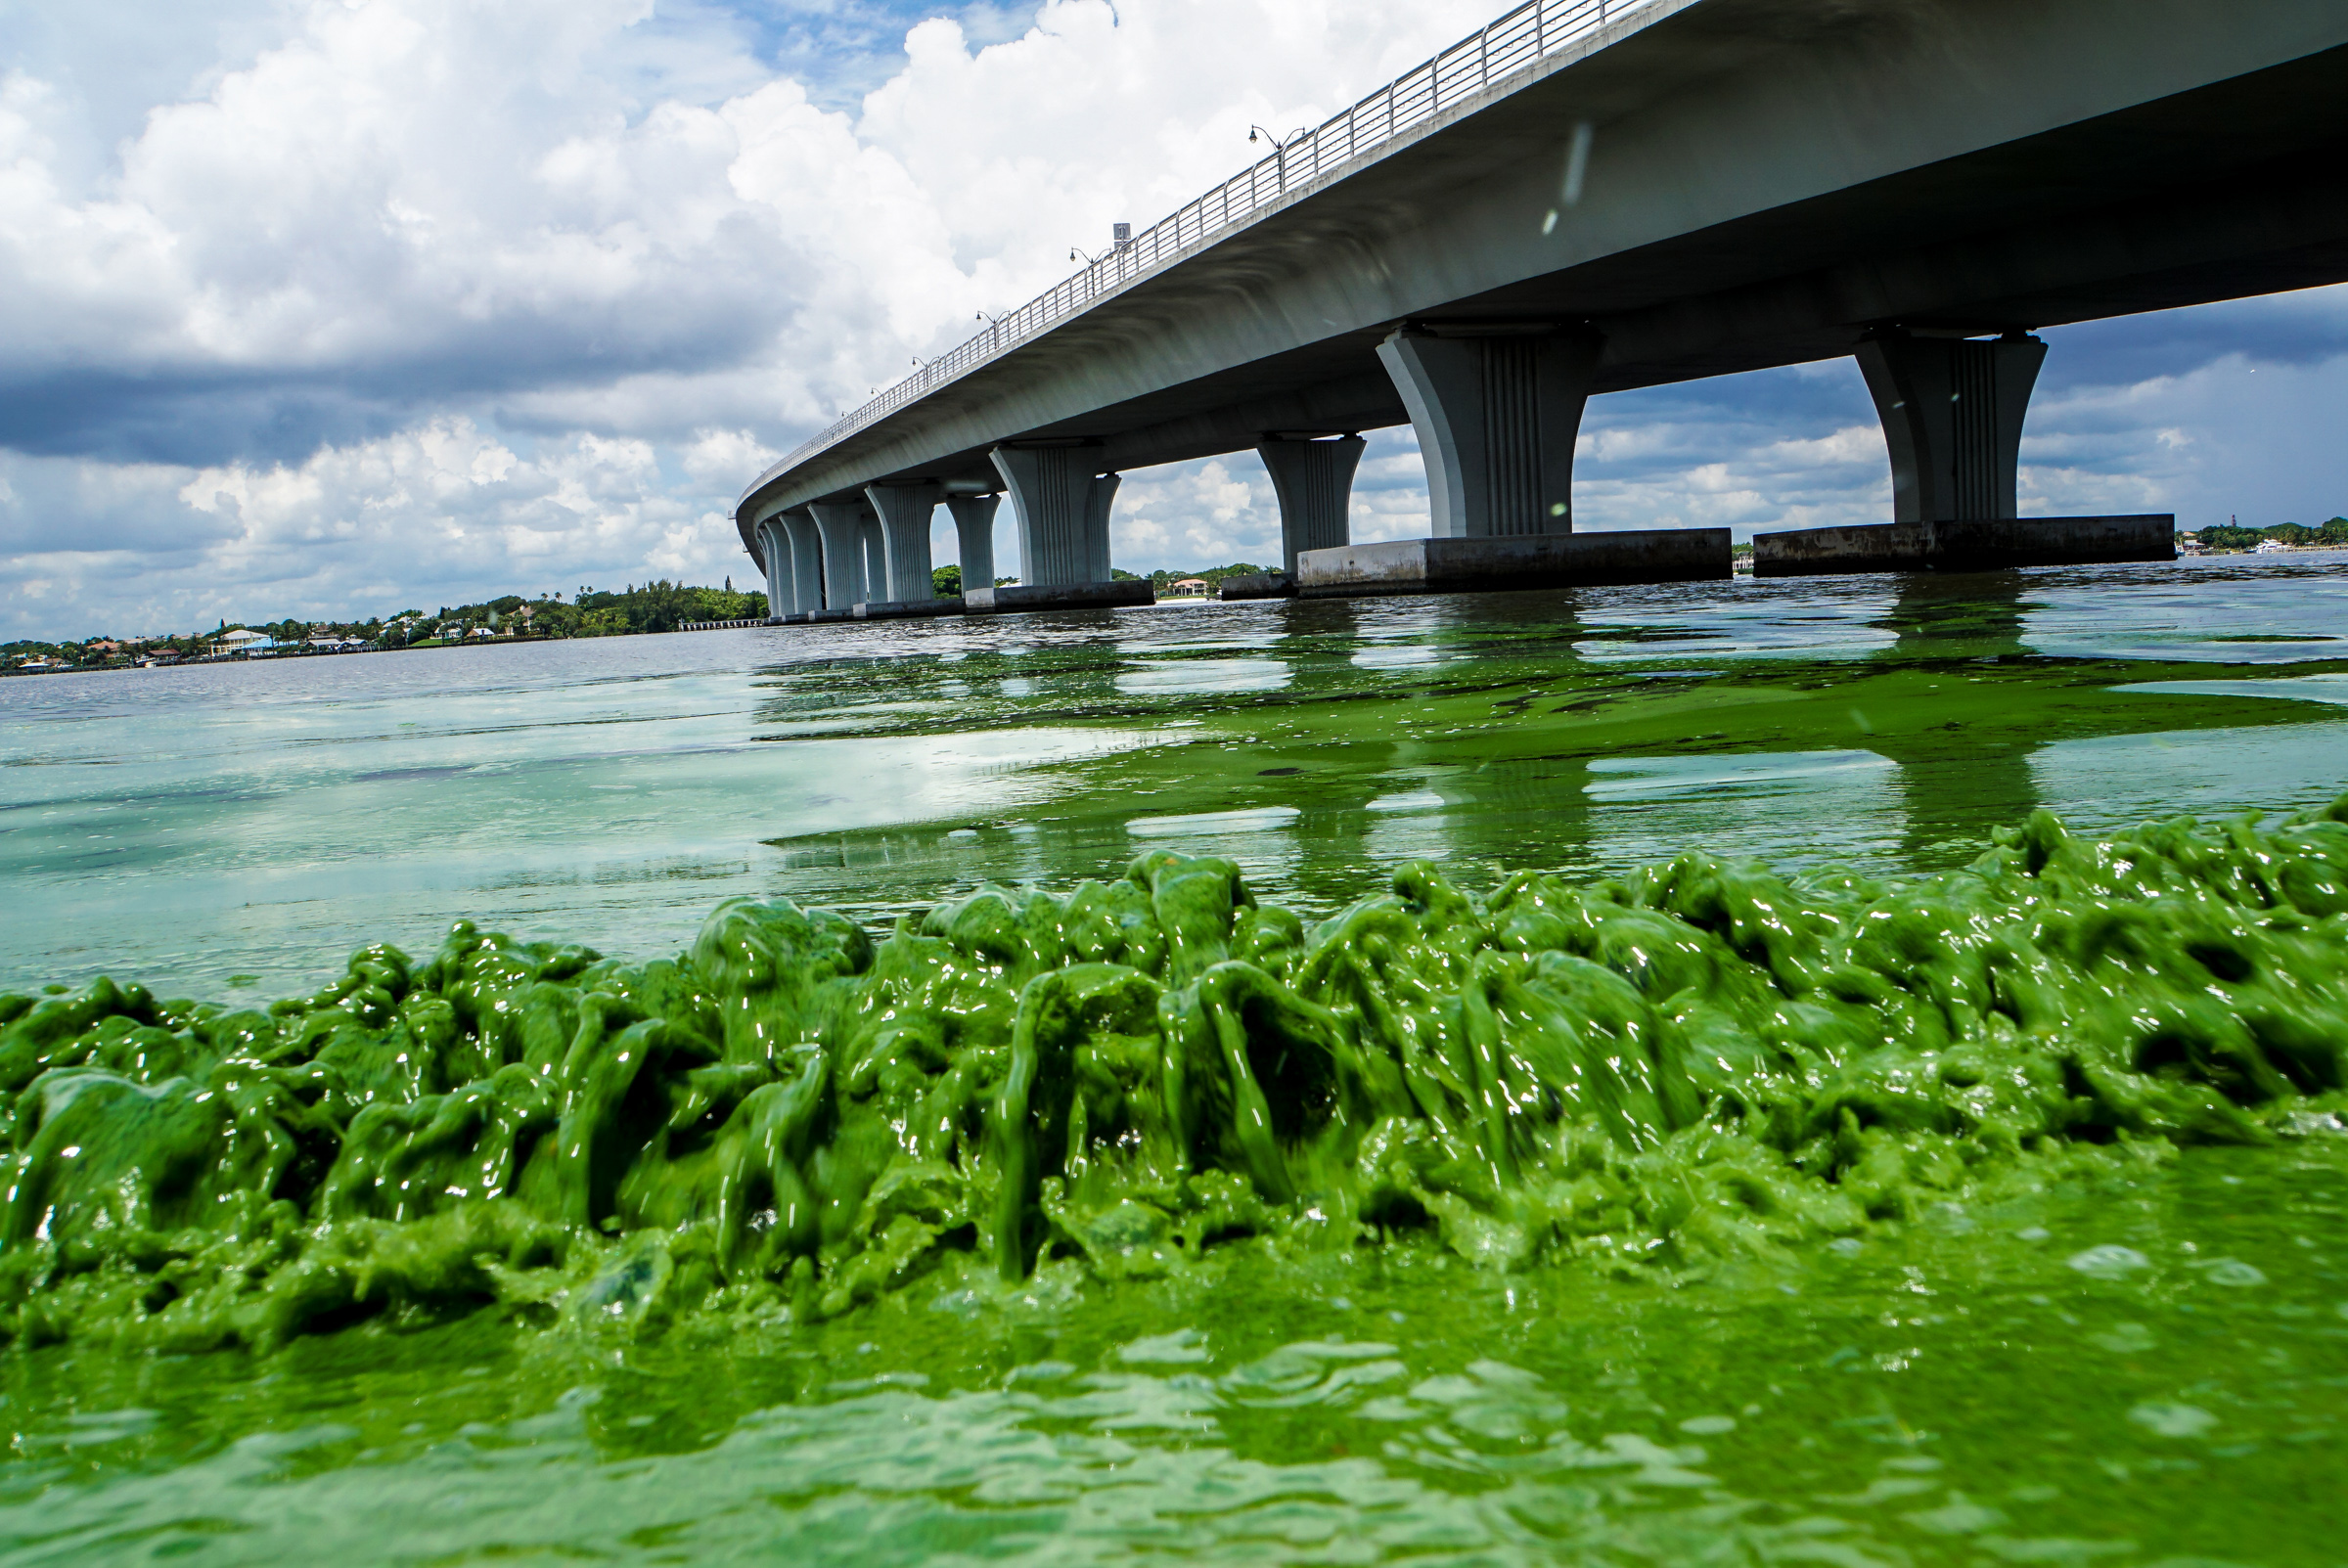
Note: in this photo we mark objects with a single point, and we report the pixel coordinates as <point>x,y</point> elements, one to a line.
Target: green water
<point>2141,1360</point>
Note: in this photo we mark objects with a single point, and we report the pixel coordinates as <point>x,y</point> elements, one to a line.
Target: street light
<point>1279,146</point>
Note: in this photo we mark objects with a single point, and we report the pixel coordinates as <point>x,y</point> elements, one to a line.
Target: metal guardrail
<point>1523,38</point>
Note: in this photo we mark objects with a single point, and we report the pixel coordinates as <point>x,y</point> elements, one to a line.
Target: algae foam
<point>1696,1063</point>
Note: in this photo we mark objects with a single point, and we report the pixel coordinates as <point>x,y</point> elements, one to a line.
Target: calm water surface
<point>2153,1369</point>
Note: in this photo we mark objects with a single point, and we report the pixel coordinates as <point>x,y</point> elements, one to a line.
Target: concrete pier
<point>1525,561</point>
<point>1314,481</point>
<point>840,526</point>
<point>872,558</point>
<point>1952,410</point>
<point>1986,544</point>
<point>905,510</point>
<point>1496,413</point>
<point>975,537</point>
<point>1063,596</point>
<point>807,561</point>
<point>774,550</point>
<point>1062,501</point>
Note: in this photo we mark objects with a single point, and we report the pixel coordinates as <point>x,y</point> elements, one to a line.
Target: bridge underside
<point>2147,217</point>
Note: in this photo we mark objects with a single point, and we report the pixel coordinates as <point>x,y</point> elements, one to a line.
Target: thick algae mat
<point>1696,1066</point>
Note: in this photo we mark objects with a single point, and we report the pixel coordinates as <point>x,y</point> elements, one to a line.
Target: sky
<point>334,309</point>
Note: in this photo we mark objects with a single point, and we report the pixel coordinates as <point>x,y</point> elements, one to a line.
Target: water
<point>2148,1367</point>
<point>192,825</point>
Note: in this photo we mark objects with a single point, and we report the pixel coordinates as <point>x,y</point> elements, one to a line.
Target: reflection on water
<point>191,824</point>
<point>1959,779</point>
<point>1175,678</point>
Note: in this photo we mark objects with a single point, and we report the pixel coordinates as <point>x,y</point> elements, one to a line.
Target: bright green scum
<point>1697,1060</point>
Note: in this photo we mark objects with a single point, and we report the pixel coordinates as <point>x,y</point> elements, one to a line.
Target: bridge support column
<point>774,548</point>
<point>806,561</point>
<point>975,535</point>
<point>1952,410</point>
<point>1497,415</point>
<point>905,510</point>
<point>1061,502</point>
<point>1313,480</point>
<point>872,558</point>
<point>840,525</point>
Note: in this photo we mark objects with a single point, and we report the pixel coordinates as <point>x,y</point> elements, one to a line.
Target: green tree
<point>946,582</point>
<point>2227,536</point>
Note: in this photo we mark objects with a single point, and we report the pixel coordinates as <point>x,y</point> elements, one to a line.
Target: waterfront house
<point>241,642</point>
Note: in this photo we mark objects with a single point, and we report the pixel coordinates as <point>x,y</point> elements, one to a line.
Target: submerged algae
<point>1696,1061</point>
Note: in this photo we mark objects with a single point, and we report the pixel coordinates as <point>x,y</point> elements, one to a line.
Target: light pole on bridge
<point>1280,149</point>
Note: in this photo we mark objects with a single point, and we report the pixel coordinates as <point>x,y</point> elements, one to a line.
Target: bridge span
<point>1587,197</point>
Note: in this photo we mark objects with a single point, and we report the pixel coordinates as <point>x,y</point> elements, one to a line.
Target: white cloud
<point>425,517</point>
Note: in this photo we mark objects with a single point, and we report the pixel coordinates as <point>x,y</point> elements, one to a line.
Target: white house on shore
<point>240,641</point>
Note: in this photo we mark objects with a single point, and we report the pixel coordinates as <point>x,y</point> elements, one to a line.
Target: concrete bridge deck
<point>1677,189</point>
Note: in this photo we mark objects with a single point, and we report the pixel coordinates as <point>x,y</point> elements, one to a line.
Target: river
<point>1987,1384</point>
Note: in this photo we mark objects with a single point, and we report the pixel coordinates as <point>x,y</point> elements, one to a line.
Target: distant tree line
<point>1212,576</point>
<point>656,607</point>
<point>659,606</point>
<point>2228,536</point>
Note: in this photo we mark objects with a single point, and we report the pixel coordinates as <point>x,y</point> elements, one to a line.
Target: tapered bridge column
<point>1062,505</point>
<point>840,526</point>
<point>975,537</point>
<point>1496,413</point>
<point>774,550</point>
<point>905,510</point>
<point>1313,480</point>
<point>806,561</point>
<point>1952,410</point>
<point>872,558</point>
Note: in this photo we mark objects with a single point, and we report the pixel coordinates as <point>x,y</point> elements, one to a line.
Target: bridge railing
<point>1477,63</point>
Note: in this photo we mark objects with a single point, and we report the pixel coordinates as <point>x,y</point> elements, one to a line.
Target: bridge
<point>1588,197</point>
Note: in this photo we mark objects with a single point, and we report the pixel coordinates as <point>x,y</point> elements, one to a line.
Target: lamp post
<point>1280,149</point>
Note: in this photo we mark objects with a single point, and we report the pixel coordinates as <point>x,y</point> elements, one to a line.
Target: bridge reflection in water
<point>1885,724</point>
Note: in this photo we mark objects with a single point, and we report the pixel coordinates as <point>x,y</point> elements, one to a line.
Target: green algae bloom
<point>1694,1064</point>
